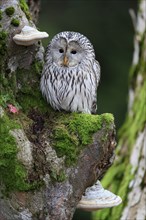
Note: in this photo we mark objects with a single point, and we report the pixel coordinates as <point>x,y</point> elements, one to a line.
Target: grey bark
<point>34,7</point>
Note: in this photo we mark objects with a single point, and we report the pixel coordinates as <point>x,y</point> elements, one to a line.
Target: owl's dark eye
<point>61,50</point>
<point>73,51</point>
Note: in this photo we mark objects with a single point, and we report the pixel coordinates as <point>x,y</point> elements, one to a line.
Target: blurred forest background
<point>108,26</point>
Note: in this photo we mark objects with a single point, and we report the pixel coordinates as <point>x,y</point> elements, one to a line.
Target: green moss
<point>10,11</point>
<point>3,38</point>
<point>15,22</point>
<point>25,9</point>
<point>134,123</point>
<point>30,96</point>
<point>141,65</point>
<point>74,131</point>
<point>12,172</point>
<point>1,14</point>
<point>59,177</point>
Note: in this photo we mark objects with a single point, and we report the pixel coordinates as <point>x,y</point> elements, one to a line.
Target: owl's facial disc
<point>67,54</point>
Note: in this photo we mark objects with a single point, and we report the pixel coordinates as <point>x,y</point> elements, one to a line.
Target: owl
<point>71,74</point>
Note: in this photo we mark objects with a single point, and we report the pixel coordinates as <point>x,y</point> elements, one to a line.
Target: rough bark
<point>47,158</point>
<point>34,7</point>
<point>127,177</point>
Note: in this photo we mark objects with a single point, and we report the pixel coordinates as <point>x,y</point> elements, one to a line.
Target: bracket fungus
<point>29,36</point>
<point>96,197</point>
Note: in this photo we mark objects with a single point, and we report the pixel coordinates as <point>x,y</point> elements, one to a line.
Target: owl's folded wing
<point>96,70</point>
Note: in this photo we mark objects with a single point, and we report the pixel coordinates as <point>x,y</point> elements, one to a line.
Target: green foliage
<point>15,22</point>
<point>10,11</point>
<point>25,9</point>
<point>74,131</point>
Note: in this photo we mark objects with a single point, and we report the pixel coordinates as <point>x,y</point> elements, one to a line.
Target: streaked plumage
<point>71,74</point>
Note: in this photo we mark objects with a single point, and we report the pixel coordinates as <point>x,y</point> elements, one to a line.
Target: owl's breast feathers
<point>71,89</point>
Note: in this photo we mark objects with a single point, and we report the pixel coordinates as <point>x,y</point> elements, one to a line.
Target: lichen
<point>15,22</point>
<point>25,9</point>
<point>10,11</point>
<point>72,132</point>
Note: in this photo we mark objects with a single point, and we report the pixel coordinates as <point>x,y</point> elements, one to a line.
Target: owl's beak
<point>65,61</point>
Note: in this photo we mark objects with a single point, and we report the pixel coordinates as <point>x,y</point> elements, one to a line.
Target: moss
<point>12,172</point>
<point>74,131</point>
<point>136,121</point>
<point>25,9</point>
<point>59,177</point>
<point>30,96</point>
<point>123,191</point>
<point>10,11</point>
<point>1,14</point>
<point>15,22</point>
<point>3,38</point>
<point>141,65</point>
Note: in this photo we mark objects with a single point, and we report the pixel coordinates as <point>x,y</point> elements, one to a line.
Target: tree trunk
<point>47,158</point>
<point>127,177</point>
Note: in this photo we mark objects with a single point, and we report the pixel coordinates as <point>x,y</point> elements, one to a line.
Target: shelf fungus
<point>96,197</point>
<point>29,36</point>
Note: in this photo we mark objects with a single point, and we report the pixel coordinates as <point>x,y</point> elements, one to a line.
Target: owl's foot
<point>96,197</point>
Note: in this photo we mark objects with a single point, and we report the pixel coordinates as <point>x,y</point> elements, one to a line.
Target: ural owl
<point>71,74</point>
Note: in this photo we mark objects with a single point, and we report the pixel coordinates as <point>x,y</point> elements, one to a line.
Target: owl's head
<point>69,49</point>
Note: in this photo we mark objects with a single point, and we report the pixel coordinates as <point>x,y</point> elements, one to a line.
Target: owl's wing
<point>96,70</point>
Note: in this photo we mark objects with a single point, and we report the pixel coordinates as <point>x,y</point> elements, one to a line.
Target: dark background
<point>108,26</point>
